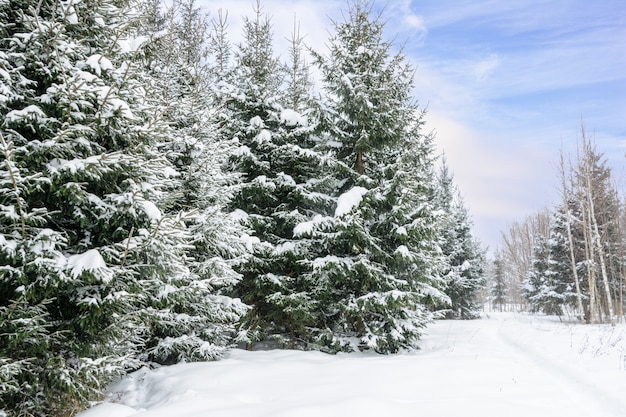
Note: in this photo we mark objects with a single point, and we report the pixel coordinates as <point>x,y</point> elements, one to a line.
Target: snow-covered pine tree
<point>536,286</point>
<point>498,290</point>
<point>367,87</point>
<point>560,261</point>
<point>79,215</point>
<point>368,300</point>
<point>407,222</point>
<point>465,259</point>
<point>592,208</point>
<point>549,286</point>
<point>600,207</point>
<point>284,182</point>
<point>192,319</point>
<point>251,102</point>
<point>219,48</point>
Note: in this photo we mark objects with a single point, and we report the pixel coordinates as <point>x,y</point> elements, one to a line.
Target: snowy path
<point>509,365</point>
<point>523,369</point>
<point>587,389</point>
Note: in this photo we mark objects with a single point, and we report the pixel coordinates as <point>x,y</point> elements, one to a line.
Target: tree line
<point>569,259</point>
<point>166,195</point>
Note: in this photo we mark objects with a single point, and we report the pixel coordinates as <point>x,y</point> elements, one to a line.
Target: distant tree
<point>499,283</point>
<point>543,288</point>
<point>518,243</point>
<point>465,260</point>
<point>565,225</point>
<point>578,260</point>
<point>599,208</point>
<point>560,262</point>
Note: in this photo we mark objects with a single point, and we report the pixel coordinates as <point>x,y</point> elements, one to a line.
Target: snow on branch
<point>348,200</point>
<point>88,261</point>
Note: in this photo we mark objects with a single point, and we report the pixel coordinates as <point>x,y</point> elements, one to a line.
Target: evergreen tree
<point>285,182</point>
<point>82,235</point>
<point>599,207</point>
<point>538,288</point>
<point>219,49</point>
<point>104,264</point>
<point>378,267</point>
<point>549,286</point>
<point>560,262</point>
<point>464,258</point>
<point>193,319</point>
<point>409,231</point>
<point>499,284</point>
<point>368,88</point>
<point>592,211</point>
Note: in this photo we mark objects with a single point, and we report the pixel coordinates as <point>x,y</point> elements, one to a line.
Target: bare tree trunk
<point>359,163</point>
<point>593,224</point>
<point>591,270</point>
<point>570,239</point>
<point>621,256</point>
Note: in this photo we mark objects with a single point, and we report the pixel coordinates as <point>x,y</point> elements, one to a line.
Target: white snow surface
<point>132,44</point>
<point>264,136</point>
<point>349,199</point>
<point>505,364</point>
<point>256,121</point>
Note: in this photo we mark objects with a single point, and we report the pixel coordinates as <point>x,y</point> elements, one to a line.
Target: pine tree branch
<point>5,149</point>
<point>130,236</point>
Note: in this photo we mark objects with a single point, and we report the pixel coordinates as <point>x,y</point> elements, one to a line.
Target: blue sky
<point>506,84</point>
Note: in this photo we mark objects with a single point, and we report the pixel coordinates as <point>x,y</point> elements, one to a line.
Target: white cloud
<point>414,21</point>
<point>484,68</point>
<point>404,19</point>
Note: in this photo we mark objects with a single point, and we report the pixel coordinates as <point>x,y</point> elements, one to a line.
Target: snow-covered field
<point>503,365</point>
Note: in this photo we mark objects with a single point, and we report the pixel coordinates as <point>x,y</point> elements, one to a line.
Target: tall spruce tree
<point>285,182</point>
<point>560,261</point>
<point>194,317</point>
<point>409,231</point>
<point>84,241</point>
<point>368,87</point>
<point>96,271</point>
<point>539,286</point>
<point>370,283</point>
<point>590,220</point>
<point>549,287</point>
<point>219,49</point>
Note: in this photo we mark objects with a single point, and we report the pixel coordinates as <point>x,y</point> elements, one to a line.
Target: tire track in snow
<point>575,380</point>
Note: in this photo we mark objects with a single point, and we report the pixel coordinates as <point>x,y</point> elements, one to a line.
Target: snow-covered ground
<point>503,365</point>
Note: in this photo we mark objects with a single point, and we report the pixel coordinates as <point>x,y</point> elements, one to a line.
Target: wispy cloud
<point>411,23</point>
<point>485,67</point>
